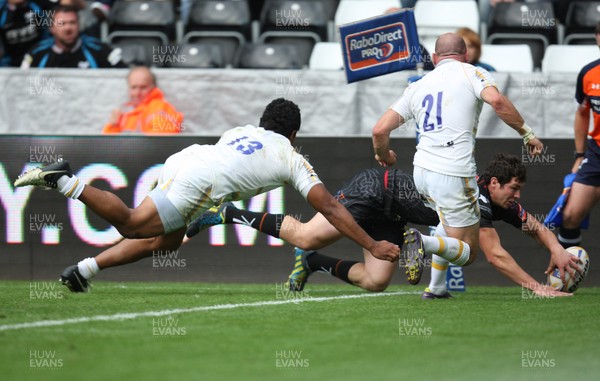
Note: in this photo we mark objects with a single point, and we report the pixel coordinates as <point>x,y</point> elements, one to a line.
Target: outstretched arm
<point>320,199</point>
<point>501,259</point>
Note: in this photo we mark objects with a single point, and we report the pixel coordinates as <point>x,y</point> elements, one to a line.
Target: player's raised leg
<point>140,222</point>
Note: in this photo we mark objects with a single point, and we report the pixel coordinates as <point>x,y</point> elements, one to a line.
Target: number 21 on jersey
<point>432,122</point>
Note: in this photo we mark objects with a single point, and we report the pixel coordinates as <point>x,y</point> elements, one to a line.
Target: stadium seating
<point>326,56</point>
<point>268,56</point>
<point>508,58</point>
<point>329,8</point>
<point>140,18</point>
<point>437,17</point>
<point>199,55</point>
<point>294,16</point>
<point>533,24</point>
<point>353,10</point>
<point>140,50</point>
<point>298,22</point>
<point>219,15</point>
<point>581,21</point>
<point>568,58</point>
<point>226,23</point>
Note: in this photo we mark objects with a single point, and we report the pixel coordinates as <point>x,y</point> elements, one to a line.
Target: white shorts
<point>453,198</point>
<point>184,185</point>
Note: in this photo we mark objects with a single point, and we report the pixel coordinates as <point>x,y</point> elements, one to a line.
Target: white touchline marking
<point>135,315</point>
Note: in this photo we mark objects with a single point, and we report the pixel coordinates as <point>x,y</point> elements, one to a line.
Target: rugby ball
<point>571,285</point>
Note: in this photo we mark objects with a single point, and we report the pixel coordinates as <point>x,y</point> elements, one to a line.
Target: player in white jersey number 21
<point>446,104</point>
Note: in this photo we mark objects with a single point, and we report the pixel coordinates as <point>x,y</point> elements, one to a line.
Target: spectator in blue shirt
<point>23,23</point>
<point>69,48</point>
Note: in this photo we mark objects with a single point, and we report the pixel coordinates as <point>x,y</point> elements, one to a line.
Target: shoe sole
<point>414,256</point>
<point>30,178</point>
<point>431,296</point>
<point>296,287</point>
<point>35,177</point>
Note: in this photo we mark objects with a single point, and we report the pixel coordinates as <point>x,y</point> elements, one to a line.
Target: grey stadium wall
<point>79,102</point>
<point>41,232</point>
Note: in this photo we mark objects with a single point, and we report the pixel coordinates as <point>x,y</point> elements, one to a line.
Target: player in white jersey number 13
<point>446,104</point>
<point>246,161</point>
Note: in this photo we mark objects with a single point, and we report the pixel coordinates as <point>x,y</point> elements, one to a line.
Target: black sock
<point>263,222</point>
<point>569,237</point>
<point>339,268</point>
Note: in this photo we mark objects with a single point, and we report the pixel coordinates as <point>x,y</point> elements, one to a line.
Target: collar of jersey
<point>58,50</point>
<point>446,60</point>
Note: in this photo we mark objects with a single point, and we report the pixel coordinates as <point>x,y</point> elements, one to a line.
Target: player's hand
<point>535,147</point>
<point>388,160</point>
<point>386,251</point>
<point>576,165</point>
<point>564,262</point>
<point>548,292</point>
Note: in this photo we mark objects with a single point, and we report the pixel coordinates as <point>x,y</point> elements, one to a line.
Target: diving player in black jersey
<point>382,201</point>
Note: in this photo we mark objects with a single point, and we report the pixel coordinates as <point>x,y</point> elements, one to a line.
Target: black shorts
<point>382,201</point>
<point>589,171</point>
<point>390,231</point>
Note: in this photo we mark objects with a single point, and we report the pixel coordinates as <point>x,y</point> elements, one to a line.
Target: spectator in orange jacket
<point>147,111</point>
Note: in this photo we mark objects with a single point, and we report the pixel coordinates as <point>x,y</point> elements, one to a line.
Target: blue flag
<point>380,45</point>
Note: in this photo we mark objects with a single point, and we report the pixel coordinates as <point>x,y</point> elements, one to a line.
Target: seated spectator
<point>69,48</point>
<point>24,23</point>
<point>473,48</point>
<point>147,111</point>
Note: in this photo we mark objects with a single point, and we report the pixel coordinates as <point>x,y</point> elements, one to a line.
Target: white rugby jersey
<point>250,160</point>
<point>446,104</point>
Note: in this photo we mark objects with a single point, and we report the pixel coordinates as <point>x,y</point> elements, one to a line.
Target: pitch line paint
<point>135,315</point>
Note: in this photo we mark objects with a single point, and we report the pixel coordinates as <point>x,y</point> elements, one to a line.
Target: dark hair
<point>64,9</point>
<point>504,167</point>
<point>281,116</point>
<point>598,28</point>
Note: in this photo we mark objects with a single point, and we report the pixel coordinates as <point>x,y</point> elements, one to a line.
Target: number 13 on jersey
<point>428,104</point>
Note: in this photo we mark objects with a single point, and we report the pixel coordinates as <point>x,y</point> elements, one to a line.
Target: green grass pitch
<point>193,331</point>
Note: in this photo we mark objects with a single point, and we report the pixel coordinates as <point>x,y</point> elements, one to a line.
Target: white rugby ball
<point>571,285</point>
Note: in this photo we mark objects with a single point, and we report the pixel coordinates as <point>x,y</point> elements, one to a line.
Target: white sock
<point>70,186</point>
<point>88,268</point>
<point>439,268</point>
<point>453,250</point>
